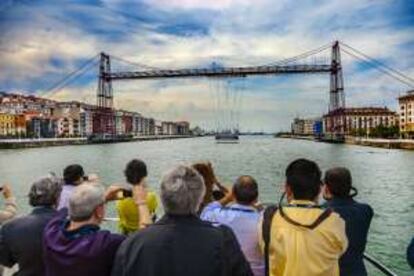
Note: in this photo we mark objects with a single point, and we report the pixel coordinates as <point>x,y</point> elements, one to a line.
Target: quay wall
<point>50,142</point>
<point>405,144</point>
<point>382,143</point>
<point>294,136</point>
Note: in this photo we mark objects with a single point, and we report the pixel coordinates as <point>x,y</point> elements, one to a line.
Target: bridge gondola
<point>227,138</point>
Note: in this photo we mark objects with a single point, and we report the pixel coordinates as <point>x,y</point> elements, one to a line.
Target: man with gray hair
<point>77,246</point>
<point>180,243</point>
<point>21,238</point>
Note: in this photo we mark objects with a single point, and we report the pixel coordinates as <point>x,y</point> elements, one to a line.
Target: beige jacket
<point>9,211</point>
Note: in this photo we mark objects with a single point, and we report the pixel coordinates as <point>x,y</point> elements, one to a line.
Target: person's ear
<point>288,191</point>
<point>326,192</point>
<point>100,212</point>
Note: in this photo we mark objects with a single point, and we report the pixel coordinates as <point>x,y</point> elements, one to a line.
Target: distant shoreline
<point>54,142</point>
<point>404,144</point>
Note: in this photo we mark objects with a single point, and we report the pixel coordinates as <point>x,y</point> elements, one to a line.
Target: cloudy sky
<point>43,41</point>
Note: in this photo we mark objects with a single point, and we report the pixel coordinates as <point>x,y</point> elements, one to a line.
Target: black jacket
<point>181,246</point>
<point>357,217</point>
<point>21,242</point>
<point>410,254</point>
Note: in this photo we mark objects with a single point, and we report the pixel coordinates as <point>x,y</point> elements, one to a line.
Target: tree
<point>382,131</point>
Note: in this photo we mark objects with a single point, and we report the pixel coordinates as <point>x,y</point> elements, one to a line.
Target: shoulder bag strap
<point>266,229</point>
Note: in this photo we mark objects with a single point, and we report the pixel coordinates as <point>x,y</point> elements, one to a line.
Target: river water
<point>385,178</point>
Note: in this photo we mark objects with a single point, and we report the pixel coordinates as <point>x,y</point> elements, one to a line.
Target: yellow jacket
<point>128,212</point>
<point>299,251</point>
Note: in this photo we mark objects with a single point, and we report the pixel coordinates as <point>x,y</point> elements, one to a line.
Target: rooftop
<point>362,111</point>
<point>408,96</point>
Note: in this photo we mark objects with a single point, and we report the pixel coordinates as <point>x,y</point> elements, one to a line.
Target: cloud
<point>41,43</point>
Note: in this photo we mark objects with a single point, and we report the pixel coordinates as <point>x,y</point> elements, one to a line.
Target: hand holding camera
<point>6,191</point>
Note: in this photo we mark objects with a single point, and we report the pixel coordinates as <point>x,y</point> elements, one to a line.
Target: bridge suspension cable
<point>136,64</point>
<point>391,72</point>
<point>73,75</point>
<point>378,62</point>
<point>302,56</point>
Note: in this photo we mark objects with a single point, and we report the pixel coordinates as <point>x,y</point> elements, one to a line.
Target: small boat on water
<point>227,137</point>
<point>333,139</point>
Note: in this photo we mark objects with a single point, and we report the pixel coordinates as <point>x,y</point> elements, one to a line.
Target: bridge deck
<point>220,72</point>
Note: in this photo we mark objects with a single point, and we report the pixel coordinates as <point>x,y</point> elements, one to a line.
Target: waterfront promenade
<point>382,143</point>
<point>48,142</point>
<point>406,144</point>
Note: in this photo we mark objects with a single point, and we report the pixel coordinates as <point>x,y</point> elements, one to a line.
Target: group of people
<point>206,228</point>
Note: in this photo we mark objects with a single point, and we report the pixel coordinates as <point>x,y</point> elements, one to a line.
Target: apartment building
<point>349,120</point>
<point>406,114</point>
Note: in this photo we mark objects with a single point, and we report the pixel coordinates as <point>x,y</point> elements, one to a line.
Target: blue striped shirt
<point>243,220</point>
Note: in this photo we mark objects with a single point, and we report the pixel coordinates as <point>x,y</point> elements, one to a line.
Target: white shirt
<point>243,220</point>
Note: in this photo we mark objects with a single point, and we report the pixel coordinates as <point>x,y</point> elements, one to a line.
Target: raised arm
<point>10,209</point>
<point>140,198</point>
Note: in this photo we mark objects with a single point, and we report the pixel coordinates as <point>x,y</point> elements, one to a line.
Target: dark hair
<point>73,173</point>
<point>304,178</point>
<point>218,195</point>
<point>135,171</point>
<point>245,190</point>
<point>339,182</point>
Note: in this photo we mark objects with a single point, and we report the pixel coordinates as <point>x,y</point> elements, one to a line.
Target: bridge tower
<point>336,93</point>
<point>104,119</point>
<point>105,94</point>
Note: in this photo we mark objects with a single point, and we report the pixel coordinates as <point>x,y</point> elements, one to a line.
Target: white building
<point>304,126</point>
<point>148,126</point>
<point>119,124</point>
<point>86,122</point>
<point>137,123</point>
<point>67,127</point>
<point>158,127</point>
<point>169,128</point>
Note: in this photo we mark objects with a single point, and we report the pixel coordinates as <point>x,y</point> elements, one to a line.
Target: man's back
<point>21,241</point>
<point>181,245</point>
<point>357,217</point>
<point>243,220</point>
<point>296,250</point>
<point>85,251</point>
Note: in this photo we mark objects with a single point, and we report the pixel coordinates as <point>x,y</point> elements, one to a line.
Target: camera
<point>124,193</point>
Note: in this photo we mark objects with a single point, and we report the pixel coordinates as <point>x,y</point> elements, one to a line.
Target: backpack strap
<point>268,214</point>
<point>326,213</point>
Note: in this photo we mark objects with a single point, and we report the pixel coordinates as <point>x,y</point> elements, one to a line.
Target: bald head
<point>245,190</point>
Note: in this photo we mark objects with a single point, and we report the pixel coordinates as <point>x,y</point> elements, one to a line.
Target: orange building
<point>406,113</point>
<point>12,124</point>
<point>20,124</point>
